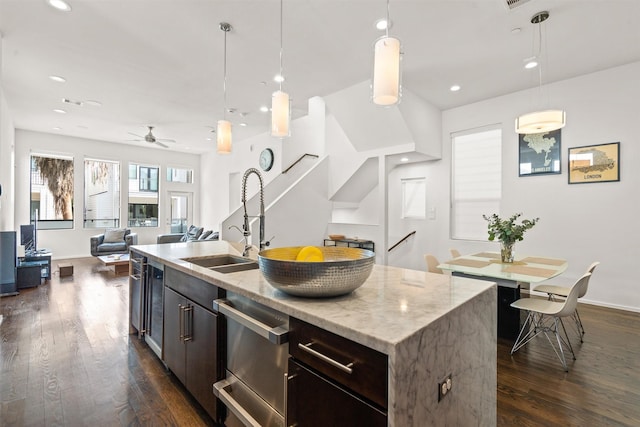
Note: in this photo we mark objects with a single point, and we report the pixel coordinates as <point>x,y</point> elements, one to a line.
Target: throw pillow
<point>114,235</point>
<point>205,234</point>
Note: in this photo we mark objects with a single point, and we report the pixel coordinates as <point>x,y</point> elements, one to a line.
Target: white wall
<point>7,169</point>
<point>7,160</point>
<point>582,223</point>
<point>75,242</point>
<point>222,174</point>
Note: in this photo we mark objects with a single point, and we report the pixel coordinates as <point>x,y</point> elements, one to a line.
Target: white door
<point>180,211</point>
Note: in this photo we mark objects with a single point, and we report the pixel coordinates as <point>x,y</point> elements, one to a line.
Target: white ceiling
<point>160,62</point>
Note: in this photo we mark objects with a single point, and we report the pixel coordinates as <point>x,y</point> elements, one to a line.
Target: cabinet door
<point>155,288</point>
<point>136,292</point>
<point>312,401</point>
<point>174,324</point>
<point>202,357</point>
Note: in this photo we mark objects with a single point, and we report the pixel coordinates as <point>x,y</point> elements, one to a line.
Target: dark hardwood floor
<point>66,359</point>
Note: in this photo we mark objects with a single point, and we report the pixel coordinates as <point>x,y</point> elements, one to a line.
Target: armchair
<point>113,241</point>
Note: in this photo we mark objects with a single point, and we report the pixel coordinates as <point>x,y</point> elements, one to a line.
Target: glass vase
<point>506,251</point>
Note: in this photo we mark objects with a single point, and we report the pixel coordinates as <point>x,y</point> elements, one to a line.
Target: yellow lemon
<point>310,254</point>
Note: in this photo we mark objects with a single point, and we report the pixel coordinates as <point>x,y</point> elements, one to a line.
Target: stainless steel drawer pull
<point>220,391</point>
<point>307,347</point>
<point>276,335</point>
<point>181,322</point>
<point>135,276</point>
<point>137,260</point>
<point>187,311</point>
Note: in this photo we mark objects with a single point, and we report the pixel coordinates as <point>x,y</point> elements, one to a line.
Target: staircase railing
<point>299,160</point>
<point>402,240</point>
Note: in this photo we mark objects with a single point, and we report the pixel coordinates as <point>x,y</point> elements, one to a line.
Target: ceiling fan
<point>150,137</point>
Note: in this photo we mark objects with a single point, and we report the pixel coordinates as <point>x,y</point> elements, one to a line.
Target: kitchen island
<point>430,327</point>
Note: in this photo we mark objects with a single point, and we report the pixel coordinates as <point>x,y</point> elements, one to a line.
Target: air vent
<point>512,4</point>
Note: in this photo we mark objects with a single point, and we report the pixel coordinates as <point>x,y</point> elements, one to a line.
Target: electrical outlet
<point>444,387</point>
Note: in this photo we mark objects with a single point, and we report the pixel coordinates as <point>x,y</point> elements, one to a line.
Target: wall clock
<point>266,159</point>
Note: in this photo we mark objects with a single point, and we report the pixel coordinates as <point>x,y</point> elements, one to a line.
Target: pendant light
<point>386,87</point>
<point>280,103</point>
<point>223,130</point>
<point>546,120</point>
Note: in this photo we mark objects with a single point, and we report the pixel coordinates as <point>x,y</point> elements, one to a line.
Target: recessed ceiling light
<point>516,30</point>
<point>454,88</point>
<point>92,103</point>
<point>278,78</point>
<point>243,124</point>
<point>57,128</point>
<point>404,159</point>
<point>381,24</point>
<point>209,139</point>
<point>58,110</point>
<point>264,109</point>
<point>60,5</point>
<point>58,79</point>
<point>530,63</point>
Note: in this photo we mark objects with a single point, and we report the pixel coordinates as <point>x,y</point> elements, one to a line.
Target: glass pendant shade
<point>280,114</point>
<point>223,132</point>
<point>386,71</point>
<point>540,121</point>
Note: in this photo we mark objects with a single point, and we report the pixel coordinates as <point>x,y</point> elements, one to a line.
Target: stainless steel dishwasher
<point>254,390</point>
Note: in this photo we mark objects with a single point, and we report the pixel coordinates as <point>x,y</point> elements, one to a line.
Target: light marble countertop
<point>392,305</point>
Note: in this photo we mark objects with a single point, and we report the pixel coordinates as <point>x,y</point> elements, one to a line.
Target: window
<point>180,175</point>
<point>414,202</point>
<point>148,179</point>
<point>51,191</point>
<point>101,194</point>
<point>143,196</point>
<point>476,182</point>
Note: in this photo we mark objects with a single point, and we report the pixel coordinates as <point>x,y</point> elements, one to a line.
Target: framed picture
<point>540,153</point>
<point>594,163</point>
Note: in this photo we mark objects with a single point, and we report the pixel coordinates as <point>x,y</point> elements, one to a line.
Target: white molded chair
<point>432,264</point>
<point>544,316</point>
<point>555,290</point>
<point>455,253</point>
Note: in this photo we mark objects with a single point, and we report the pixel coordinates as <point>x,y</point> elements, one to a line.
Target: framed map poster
<point>539,153</point>
<point>594,163</point>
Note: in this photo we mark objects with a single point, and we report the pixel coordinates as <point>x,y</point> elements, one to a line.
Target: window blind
<point>476,182</point>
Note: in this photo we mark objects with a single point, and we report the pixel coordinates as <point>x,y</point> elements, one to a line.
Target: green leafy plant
<point>506,230</point>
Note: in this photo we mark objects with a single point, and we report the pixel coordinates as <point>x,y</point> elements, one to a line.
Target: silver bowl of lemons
<point>316,271</point>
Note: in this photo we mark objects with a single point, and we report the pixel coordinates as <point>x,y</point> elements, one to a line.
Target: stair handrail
<point>402,240</point>
<point>299,160</point>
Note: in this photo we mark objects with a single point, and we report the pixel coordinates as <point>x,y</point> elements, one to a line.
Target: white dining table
<point>510,278</point>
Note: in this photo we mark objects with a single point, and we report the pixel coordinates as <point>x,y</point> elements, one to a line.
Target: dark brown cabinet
<point>334,381</point>
<point>191,332</point>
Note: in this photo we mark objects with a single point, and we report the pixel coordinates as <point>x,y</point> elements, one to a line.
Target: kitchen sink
<point>224,263</point>
<point>232,268</point>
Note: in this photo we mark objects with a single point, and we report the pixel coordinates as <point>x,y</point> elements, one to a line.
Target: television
<point>28,238</point>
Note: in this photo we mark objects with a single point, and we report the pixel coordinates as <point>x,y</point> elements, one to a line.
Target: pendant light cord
<point>388,22</point>
<point>224,84</point>
<point>281,76</point>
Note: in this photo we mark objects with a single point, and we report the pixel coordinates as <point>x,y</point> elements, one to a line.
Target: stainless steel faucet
<point>246,232</point>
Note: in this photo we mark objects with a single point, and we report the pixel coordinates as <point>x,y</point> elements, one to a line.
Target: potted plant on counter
<point>508,232</point>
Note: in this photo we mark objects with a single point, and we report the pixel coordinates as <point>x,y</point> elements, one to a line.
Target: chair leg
<point>530,329</point>
<point>581,327</point>
<point>534,325</point>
